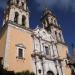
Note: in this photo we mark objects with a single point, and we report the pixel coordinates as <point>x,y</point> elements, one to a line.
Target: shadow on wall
<point>3,30</point>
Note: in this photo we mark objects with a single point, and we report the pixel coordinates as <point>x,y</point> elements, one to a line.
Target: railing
<point>40,54</point>
<point>19,25</point>
<point>43,55</point>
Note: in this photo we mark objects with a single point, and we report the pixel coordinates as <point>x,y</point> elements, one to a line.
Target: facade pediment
<point>20,45</point>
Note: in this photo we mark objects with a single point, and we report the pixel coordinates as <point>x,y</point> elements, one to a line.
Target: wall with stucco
<point>18,35</point>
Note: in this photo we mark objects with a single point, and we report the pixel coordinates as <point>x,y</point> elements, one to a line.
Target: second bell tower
<point>51,25</point>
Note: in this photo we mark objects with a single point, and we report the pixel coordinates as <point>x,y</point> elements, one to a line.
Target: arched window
<point>55,22</point>
<point>23,20</point>
<point>16,17</point>
<point>60,36</point>
<point>22,3</point>
<point>17,2</point>
<point>51,20</point>
<point>50,73</point>
<point>47,50</point>
<point>56,35</point>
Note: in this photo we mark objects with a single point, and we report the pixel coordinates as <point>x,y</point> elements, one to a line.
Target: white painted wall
<point>45,39</point>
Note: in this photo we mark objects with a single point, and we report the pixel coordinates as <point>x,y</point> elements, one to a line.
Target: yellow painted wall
<point>16,37</point>
<point>67,71</point>
<point>62,49</point>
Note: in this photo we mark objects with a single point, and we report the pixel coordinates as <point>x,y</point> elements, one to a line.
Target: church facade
<point>41,50</point>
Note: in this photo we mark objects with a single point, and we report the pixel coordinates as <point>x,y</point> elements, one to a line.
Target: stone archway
<point>50,73</point>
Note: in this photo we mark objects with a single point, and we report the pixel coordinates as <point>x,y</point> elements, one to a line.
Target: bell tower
<point>17,13</point>
<point>16,37</point>
<point>51,25</point>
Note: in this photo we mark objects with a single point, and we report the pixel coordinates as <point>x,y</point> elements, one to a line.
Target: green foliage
<point>25,73</point>
<point>32,73</point>
<point>5,72</point>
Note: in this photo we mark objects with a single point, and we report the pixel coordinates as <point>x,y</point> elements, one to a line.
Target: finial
<point>46,8</point>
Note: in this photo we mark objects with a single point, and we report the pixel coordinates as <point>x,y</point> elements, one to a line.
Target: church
<point>41,50</point>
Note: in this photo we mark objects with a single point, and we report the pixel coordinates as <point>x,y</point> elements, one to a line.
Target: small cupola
<point>48,19</point>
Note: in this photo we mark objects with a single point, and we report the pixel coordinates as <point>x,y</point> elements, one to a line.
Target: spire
<point>46,11</point>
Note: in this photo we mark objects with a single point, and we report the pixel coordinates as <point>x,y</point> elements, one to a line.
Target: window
<point>20,53</point>
<point>16,17</point>
<point>47,50</point>
<point>56,35</point>
<point>60,36</point>
<point>23,20</point>
<point>55,22</point>
<point>22,4</point>
<point>17,2</point>
<point>51,20</point>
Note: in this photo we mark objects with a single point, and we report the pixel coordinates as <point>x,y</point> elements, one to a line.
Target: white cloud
<point>61,4</point>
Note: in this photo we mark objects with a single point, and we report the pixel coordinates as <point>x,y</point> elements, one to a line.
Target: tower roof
<point>47,12</point>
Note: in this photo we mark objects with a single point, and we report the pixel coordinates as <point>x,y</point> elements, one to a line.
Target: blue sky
<point>63,9</point>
